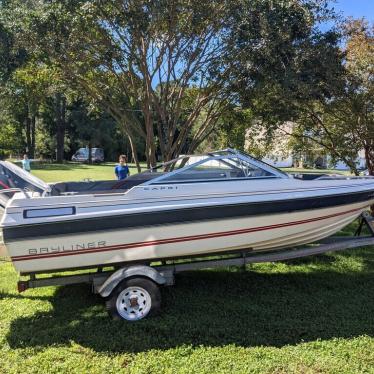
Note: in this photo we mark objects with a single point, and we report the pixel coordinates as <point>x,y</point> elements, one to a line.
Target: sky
<point>356,8</point>
<point>351,8</point>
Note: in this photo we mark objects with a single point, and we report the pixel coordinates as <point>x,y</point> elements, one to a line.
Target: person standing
<point>122,170</point>
<point>26,163</point>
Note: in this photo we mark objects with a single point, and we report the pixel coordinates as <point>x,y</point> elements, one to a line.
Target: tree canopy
<point>181,75</point>
<point>342,123</point>
<point>138,60</point>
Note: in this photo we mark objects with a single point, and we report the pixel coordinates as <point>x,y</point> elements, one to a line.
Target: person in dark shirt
<point>122,170</point>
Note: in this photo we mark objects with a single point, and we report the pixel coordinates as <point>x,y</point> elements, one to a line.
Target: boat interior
<point>106,186</point>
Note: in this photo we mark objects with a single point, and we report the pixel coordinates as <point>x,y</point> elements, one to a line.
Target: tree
<point>28,83</point>
<point>11,57</point>
<point>57,102</point>
<point>10,141</point>
<point>330,98</point>
<point>137,59</point>
<point>299,63</point>
<point>344,124</point>
<point>357,106</point>
<point>90,127</point>
<point>231,131</point>
<point>117,52</point>
<point>23,94</point>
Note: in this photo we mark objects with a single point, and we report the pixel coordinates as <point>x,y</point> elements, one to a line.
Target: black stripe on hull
<point>176,216</point>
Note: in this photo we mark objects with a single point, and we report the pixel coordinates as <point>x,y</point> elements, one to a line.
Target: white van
<point>82,155</point>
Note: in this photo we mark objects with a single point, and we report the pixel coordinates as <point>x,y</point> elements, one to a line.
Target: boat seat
<point>81,187</point>
<point>101,187</point>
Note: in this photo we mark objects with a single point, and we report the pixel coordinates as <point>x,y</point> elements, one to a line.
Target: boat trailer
<point>132,290</point>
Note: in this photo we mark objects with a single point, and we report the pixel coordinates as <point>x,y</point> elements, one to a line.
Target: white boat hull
<point>260,233</point>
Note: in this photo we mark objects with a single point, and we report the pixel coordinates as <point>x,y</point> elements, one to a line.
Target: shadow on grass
<point>213,308</point>
<point>319,259</point>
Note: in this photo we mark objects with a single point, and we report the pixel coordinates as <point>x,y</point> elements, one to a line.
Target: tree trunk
<point>134,151</point>
<point>33,126</point>
<point>28,135</point>
<point>369,157</point>
<point>150,139</point>
<point>60,114</point>
<point>90,152</point>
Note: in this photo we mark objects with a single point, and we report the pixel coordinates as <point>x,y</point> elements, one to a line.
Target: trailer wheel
<point>134,299</point>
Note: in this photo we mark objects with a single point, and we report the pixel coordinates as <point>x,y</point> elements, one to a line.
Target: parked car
<point>82,155</point>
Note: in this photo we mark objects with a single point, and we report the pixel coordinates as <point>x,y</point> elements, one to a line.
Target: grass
<point>74,171</point>
<point>312,315</point>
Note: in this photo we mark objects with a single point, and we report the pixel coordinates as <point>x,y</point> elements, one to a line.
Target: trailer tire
<point>134,299</point>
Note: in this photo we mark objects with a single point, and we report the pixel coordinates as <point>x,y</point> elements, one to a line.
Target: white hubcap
<point>133,303</point>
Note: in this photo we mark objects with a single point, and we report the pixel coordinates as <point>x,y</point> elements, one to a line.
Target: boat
<point>220,202</point>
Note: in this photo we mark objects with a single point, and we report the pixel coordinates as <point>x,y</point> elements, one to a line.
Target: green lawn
<point>313,315</point>
<point>75,172</point>
<point>306,316</point>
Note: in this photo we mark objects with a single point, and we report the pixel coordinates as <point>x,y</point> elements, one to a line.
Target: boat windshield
<point>177,163</point>
<point>220,165</point>
<point>246,155</point>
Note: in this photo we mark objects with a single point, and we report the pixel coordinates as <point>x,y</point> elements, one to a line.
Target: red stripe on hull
<point>179,239</point>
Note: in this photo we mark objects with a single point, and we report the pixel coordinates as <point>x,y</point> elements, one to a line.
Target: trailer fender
<point>139,271</point>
